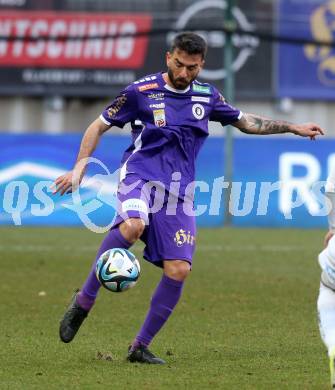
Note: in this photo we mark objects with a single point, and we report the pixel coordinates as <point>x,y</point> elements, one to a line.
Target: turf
<point>247,319</point>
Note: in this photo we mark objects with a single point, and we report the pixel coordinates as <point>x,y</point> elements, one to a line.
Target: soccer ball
<point>117,270</point>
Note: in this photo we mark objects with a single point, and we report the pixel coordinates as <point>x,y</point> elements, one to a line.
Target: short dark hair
<point>189,42</point>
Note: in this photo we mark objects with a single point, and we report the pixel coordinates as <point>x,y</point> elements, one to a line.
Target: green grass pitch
<point>247,318</point>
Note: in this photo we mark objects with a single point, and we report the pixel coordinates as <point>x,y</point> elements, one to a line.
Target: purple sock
<point>163,301</point>
<point>89,291</point>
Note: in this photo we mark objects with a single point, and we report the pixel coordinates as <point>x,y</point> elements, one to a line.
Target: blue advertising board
<point>306,71</point>
<point>277,181</point>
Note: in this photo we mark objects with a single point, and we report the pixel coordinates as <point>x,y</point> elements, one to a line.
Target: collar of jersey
<point>167,86</point>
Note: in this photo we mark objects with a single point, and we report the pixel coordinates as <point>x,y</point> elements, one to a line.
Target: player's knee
<point>132,229</point>
<point>177,269</point>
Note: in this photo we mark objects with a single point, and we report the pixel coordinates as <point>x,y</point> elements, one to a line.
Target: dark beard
<point>178,84</point>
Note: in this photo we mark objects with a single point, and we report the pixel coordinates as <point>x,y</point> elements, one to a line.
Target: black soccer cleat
<point>141,354</point>
<point>73,318</point>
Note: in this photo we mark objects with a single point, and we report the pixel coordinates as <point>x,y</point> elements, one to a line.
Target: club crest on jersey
<point>144,87</point>
<point>198,111</point>
<point>159,118</point>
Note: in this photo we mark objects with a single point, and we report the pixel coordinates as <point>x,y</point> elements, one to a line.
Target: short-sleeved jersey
<point>169,126</point>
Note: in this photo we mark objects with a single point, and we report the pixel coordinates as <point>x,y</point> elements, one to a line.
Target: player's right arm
<point>70,180</point>
<point>122,110</point>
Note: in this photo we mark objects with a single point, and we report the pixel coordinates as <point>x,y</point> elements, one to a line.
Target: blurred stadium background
<point>52,87</point>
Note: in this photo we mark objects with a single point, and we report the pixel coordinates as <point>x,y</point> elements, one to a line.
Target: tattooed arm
<point>254,124</point>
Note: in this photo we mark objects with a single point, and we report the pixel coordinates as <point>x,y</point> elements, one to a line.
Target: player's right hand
<point>67,183</point>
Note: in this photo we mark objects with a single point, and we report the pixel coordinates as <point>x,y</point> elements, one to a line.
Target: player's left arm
<point>254,124</point>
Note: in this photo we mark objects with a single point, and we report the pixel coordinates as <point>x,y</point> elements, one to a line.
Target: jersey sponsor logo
<point>150,78</point>
<point>156,96</point>
<point>159,118</point>
<point>198,111</point>
<point>157,105</point>
<point>203,99</point>
<point>144,87</point>
<point>116,105</point>
<point>182,237</point>
<point>201,89</point>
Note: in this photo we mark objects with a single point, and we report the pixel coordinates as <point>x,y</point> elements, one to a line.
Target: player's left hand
<point>310,130</point>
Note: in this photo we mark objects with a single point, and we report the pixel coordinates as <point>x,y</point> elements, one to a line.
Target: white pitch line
<point>200,248</point>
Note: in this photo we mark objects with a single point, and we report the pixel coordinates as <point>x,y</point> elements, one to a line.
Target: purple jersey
<point>169,126</point>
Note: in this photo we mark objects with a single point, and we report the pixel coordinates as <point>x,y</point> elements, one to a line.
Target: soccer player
<point>169,113</point>
<point>326,299</point>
